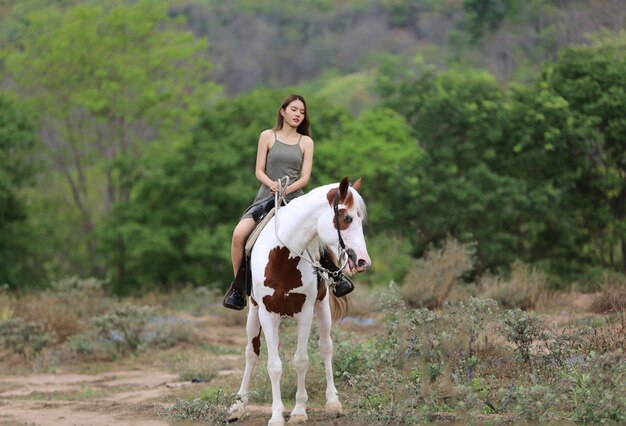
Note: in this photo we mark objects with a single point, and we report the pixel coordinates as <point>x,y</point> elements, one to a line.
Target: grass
<point>83,393</point>
<point>469,358</point>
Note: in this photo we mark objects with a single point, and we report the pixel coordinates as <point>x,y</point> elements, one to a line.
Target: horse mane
<point>339,306</point>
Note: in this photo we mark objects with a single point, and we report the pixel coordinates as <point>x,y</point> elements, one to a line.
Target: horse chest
<point>284,292</point>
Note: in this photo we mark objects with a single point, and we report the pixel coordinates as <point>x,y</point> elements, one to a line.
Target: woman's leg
<point>240,236</point>
<point>235,297</point>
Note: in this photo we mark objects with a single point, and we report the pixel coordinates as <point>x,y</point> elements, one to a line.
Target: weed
<point>606,335</point>
<point>525,288</point>
<point>210,407</point>
<point>612,298</point>
<point>26,338</point>
<point>65,308</point>
<point>522,329</point>
<point>433,278</point>
<point>124,325</point>
<point>197,367</point>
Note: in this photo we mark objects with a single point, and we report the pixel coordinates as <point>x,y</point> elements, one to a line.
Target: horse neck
<point>297,221</point>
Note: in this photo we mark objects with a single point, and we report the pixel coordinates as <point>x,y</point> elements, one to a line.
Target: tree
<point>177,224</point>
<point>373,146</point>
<point>19,265</point>
<point>456,189</point>
<point>591,80</point>
<point>108,79</point>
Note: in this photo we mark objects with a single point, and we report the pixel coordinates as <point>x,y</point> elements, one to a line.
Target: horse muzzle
<point>357,263</point>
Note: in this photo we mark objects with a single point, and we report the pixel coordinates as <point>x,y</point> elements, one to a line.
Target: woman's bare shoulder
<point>306,140</point>
<point>267,133</point>
<point>266,137</point>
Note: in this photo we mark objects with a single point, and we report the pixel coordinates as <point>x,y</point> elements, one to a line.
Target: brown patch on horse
<point>256,343</point>
<point>253,301</point>
<point>282,274</point>
<point>321,289</point>
<point>346,198</point>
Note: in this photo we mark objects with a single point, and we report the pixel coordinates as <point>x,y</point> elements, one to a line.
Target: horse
<point>284,267</point>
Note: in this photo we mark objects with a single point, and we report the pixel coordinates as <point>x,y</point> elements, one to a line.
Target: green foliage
<point>19,262</point>
<point>26,338</point>
<point>590,80</point>
<point>486,14</point>
<point>177,226</point>
<point>455,189</point>
<point>125,325</point>
<point>425,363</point>
<point>137,77</point>
<point>528,173</point>
<point>207,182</point>
<point>524,288</point>
<point>210,407</point>
<point>522,329</point>
<point>437,275</point>
<point>380,134</point>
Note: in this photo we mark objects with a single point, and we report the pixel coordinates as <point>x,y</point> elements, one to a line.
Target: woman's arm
<point>307,166</point>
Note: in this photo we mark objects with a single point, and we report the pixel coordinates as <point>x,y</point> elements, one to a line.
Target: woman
<point>285,150</point>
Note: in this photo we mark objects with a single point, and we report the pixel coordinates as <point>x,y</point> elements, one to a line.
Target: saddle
<point>261,215</point>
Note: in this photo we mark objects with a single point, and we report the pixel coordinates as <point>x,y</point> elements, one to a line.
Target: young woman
<point>285,150</point>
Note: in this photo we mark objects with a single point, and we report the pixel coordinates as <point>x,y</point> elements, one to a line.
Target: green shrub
<point>522,329</point>
<point>524,288</point>
<point>125,325</point>
<point>26,338</point>
<point>211,407</point>
<point>435,277</point>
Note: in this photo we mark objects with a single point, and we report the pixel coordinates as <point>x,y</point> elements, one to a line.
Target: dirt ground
<point>71,391</point>
<point>130,391</point>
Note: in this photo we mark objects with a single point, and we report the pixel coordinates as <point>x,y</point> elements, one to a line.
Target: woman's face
<point>293,114</point>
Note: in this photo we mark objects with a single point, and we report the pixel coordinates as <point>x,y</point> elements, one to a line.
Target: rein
<point>279,197</point>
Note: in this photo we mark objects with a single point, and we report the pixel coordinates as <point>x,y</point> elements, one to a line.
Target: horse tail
<point>339,307</point>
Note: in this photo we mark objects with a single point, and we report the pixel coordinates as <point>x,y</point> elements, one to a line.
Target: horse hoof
<point>334,409</point>
<point>276,422</point>
<point>236,411</point>
<point>301,418</point>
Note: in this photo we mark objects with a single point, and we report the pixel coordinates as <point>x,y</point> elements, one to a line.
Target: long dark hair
<point>303,128</point>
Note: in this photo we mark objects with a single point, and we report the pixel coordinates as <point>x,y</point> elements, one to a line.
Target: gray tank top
<point>282,160</point>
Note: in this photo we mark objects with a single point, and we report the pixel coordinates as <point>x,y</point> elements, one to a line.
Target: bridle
<point>348,254</point>
<point>344,255</point>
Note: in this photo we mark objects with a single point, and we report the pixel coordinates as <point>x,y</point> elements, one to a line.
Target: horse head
<point>340,227</point>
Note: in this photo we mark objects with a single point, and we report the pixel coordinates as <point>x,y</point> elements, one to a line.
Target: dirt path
<point>130,393</point>
<point>132,396</point>
<point>117,398</point>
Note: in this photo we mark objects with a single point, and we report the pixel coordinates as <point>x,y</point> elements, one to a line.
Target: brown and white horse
<point>284,284</point>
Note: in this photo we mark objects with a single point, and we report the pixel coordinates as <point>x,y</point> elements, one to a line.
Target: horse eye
<point>347,219</point>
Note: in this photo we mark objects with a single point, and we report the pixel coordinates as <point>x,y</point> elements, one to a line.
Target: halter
<point>279,197</point>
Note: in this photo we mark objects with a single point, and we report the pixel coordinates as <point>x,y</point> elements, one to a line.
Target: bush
<point>26,338</point>
<point>211,407</point>
<point>66,307</point>
<point>522,329</point>
<point>525,288</point>
<point>612,298</point>
<point>432,279</point>
<point>125,325</point>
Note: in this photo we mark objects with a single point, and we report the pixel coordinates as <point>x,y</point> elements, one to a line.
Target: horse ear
<point>343,187</point>
<point>357,185</point>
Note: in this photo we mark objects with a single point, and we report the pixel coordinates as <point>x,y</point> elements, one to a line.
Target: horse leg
<point>325,344</point>
<point>301,363</point>
<point>253,331</point>
<point>270,323</point>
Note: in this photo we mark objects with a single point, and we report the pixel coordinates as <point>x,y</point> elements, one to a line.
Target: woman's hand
<point>274,186</point>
